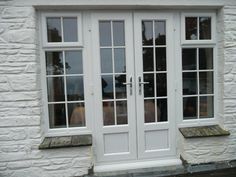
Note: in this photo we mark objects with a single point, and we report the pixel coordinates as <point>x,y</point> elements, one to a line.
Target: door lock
<point>130,84</point>
<point>141,83</point>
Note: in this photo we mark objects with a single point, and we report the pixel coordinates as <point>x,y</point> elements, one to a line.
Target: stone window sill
<point>66,141</point>
<point>203,131</point>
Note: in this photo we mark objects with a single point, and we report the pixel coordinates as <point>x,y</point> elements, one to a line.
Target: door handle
<point>141,83</point>
<point>130,84</point>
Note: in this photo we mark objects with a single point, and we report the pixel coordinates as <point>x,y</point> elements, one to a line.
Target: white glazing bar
<point>65,88</point>
<point>198,86</point>
<point>62,30</point>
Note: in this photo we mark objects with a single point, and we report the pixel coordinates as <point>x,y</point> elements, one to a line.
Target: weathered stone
<point>46,143</point>
<point>82,140</point>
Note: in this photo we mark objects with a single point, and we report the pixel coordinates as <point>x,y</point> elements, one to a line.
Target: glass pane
<point>148,88</point>
<point>105,33</point>
<point>206,82</point>
<point>118,33</point>
<point>57,115</point>
<point>148,59</point>
<point>76,114</point>
<point>55,89</point>
<point>106,60</point>
<point>160,32</point>
<point>161,59</point>
<point>149,111</point>
<point>191,28</point>
<point>162,110</point>
<point>75,88</point>
<point>119,59</point>
<point>205,27</point>
<point>108,113</point>
<point>73,61</point>
<point>107,87</point>
<point>190,83</point>
<point>205,58</point>
<point>54,29</point>
<point>54,63</point>
<point>70,30</point>
<point>147,32</point>
<point>189,59</point>
<point>121,112</point>
<point>206,107</point>
<point>120,87</point>
<point>161,85</point>
<point>190,108</point>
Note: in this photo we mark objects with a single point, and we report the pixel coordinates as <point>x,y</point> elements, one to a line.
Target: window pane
<point>148,59</point>
<point>162,110</point>
<point>189,83</point>
<point>70,29</point>
<point>54,29</point>
<point>189,59</point>
<point>107,87</point>
<point>120,87</point>
<point>76,114</point>
<point>191,28</point>
<point>161,59</point>
<point>55,89</point>
<point>147,32</point>
<point>190,107</point>
<point>206,107</point>
<point>121,112</point>
<point>205,27</point>
<point>108,113</point>
<point>160,32</point>
<point>106,60</point>
<point>206,82</point>
<point>73,61</point>
<point>105,33</point>
<point>161,85</point>
<point>54,63</point>
<point>149,87</point>
<point>57,115</point>
<point>75,88</point>
<point>205,58</point>
<point>118,33</point>
<point>119,59</point>
<point>149,111</point>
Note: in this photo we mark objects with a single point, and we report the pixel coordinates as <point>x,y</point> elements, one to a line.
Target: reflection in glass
<point>161,59</point>
<point>121,112</point>
<point>54,29</point>
<point>149,111</point>
<point>118,33</point>
<point>161,85</point>
<point>76,114</point>
<point>206,82</point>
<point>189,59</point>
<point>70,29</point>
<point>206,107</point>
<point>54,63</point>
<point>148,59</point>
<point>205,58</point>
<point>55,89</point>
<point>73,61</point>
<point>190,108</point>
<point>105,33</point>
<point>57,115</point>
<point>189,83</point>
<point>162,110</point>
<point>191,28</point>
<point>160,32</point>
<point>108,113</point>
<point>107,87</point>
<point>119,59</point>
<point>149,87</point>
<point>75,88</point>
<point>205,27</point>
<point>147,32</point>
<point>106,60</point>
<point>120,87</point>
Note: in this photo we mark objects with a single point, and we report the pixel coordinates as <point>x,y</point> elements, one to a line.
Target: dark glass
<point>160,32</point>
<point>118,33</point>
<point>57,115</point>
<point>75,88</point>
<point>149,111</point>
<point>105,33</point>
<point>55,89</point>
<point>121,112</point>
<point>191,28</point>
<point>54,29</point>
<point>107,87</point>
<point>149,87</point>
<point>73,61</point>
<point>70,30</point>
<point>54,63</point>
<point>147,32</point>
<point>108,113</point>
<point>205,27</point>
<point>119,59</point>
<point>206,82</point>
<point>205,58</point>
<point>161,59</point>
<point>76,114</point>
<point>161,85</point>
<point>189,83</point>
<point>189,59</point>
<point>162,115</point>
<point>206,107</point>
<point>148,59</point>
<point>120,87</point>
<point>190,108</point>
<point>106,60</point>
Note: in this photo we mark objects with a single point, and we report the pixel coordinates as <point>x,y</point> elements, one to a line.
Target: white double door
<point>134,97</point>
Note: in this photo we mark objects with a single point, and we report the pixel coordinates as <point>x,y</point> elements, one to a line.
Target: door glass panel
<point>161,59</point>
<point>191,28</point>
<point>205,27</point>
<point>189,83</point>
<point>189,59</point>
<point>160,32</point>
<point>121,112</point>
<point>54,63</point>
<point>75,88</point>
<point>118,33</point>
<point>206,106</point>
<point>119,59</point>
<point>105,33</point>
<point>148,59</point>
<point>73,62</point>
<point>76,114</point>
<point>149,87</point>
<point>190,107</point>
<point>161,85</point>
<point>70,29</point>
<point>107,87</point>
<point>120,87</point>
<point>206,82</point>
<point>55,89</point>
<point>161,110</point>
<point>54,29</point>
<point>149,111</point>
<point>205,58</point>
<point>57,115</point>
<point>108,113</point>
<point>147,32</point>
<point>106,60</point>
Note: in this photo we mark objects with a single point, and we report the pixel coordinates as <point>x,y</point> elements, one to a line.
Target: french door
<point>134,93</point>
